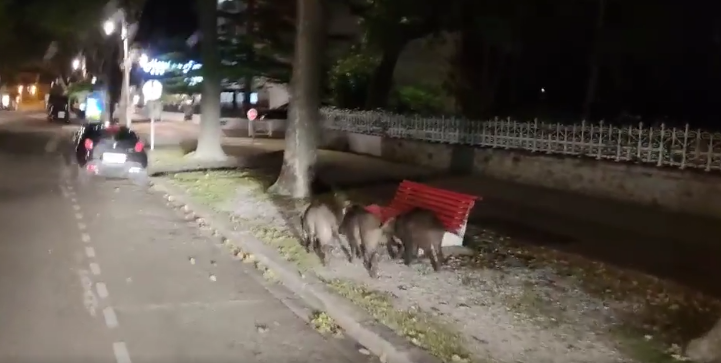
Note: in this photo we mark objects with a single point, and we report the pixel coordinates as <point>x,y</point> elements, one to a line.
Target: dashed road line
<point>111,320</point>
<point>121,352</point>
<point>102,290</point>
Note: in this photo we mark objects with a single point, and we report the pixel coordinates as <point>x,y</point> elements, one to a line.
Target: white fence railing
<point>657,145</point>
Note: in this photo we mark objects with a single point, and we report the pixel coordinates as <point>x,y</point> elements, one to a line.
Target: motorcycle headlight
<point>6,100</point>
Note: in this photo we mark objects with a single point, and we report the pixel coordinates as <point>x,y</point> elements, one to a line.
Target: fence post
<point>649,157</point>
<point>709,151</point>
<point>600,140</point>
<point>638,141</point>
<point>618,144</point>
<point>661,145</point>
<point>685,147</point>
<point>534,135</point>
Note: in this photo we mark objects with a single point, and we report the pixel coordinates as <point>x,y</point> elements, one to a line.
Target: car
<point>7,102</point>
<point>279,113</point>
<point>58,108</point>
<point>111,151</point>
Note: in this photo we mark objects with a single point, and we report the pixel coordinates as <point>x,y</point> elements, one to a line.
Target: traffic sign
<point>152,90</point>
<point>252,114</point>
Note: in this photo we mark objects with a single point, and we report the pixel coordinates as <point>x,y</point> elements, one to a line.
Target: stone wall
<point>682,191</point>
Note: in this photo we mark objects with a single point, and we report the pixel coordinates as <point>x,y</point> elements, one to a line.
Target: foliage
<point>267,49</point>
<point>421,100</point>
<point>349,79</point>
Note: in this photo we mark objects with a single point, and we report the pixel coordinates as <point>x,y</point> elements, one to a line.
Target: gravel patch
<point>508,303</point>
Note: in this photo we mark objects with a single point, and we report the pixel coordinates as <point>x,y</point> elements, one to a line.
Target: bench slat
<point>419,186</point>
<point>451,208</point>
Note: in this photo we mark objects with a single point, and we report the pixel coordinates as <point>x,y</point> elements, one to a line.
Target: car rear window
<point>117,133</point>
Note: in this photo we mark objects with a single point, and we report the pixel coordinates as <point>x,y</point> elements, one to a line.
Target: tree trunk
<point>592,83</point>
<point>382,79</point>
<point>209,139</point>
<point>301,138</point>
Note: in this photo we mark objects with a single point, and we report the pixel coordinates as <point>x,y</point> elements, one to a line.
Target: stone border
<point>356,323</point>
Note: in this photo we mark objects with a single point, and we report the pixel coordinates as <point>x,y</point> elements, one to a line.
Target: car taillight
<point>139,146</point>
<point>88,144</point>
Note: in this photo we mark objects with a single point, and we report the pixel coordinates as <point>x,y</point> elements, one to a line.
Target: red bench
<point>451,208</point>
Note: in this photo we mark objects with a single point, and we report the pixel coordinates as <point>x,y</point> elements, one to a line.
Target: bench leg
<point>451,240</point>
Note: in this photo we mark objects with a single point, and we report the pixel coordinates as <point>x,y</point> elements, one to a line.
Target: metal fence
<point>658,145</point>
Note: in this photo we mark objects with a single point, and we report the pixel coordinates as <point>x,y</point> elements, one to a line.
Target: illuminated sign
<point>156,67</point>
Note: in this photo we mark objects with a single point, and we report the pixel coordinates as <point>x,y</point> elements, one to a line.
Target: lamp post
<point>109,28</point>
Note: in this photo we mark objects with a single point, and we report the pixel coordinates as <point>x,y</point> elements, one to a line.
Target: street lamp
<point>76,64</point>
<point>109,28</point>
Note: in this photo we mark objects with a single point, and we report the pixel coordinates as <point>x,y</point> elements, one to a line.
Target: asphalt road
<point>106,272</point>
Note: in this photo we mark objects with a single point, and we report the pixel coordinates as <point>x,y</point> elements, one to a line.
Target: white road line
<point>76,207</point>
<point>90,252</point>
<point>74,200</point>
<point>78,216</point>
<point>85,237</point>
<point>82,226</point>
<point>121,352</point>
<point>102,290</point>
<point>95,268</point>
<point>111,320</point>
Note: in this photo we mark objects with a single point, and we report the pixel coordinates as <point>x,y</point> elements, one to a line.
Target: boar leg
<point>356,243</point>
<point>345,245</point>
<point>395,247</point>
<point>434,255</point>
<point>370,261</point>
<point>324,252</point>
<point>410,251</point>
<point>305,241</point>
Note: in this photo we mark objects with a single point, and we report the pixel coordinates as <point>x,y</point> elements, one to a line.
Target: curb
<point>356,323</point>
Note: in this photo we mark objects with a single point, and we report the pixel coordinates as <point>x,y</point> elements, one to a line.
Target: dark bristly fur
<point>364,234</point>
<point>319,228</point>
<point>418,228</point>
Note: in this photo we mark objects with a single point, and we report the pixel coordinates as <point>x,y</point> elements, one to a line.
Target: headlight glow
<point>6,100</point>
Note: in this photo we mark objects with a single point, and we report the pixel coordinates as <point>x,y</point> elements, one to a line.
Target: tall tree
<point>258,40</point>
<point>301,138</point>
<point>209,139</point>
<point>389,25</point>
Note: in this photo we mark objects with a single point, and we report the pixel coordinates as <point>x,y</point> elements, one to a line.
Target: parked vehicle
<point>110,151</point>
<point>279,113</point>
<point>58,108</point>
<point>7,102</point>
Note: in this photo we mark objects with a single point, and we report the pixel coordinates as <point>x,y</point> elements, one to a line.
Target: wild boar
<point>418,229</point>
<point>363,232</point>
<point>319,230</point>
